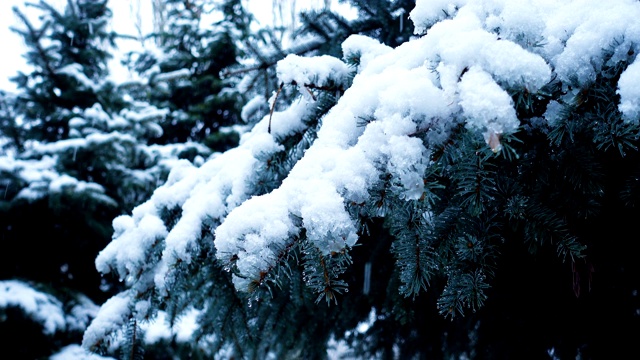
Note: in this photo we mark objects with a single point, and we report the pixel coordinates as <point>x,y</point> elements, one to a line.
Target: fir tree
<point>446,197</point>
<point>76,154</point>
<point>68,66</point>
<point>68,54</point>
<point>321,32</point>
<point>184,72</point>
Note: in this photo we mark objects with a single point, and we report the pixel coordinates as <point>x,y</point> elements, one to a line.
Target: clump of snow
<point>172,75</point>
<point>317,71</point>
<point>363,48</point>
<point>113,315</point>
<point>253,107</point>
<point>629,91</point>
<point>578,32</point>
<point>486,106</point>
<point>427,13</point>
<point>46,310</point>
<point>462,42</point>
<point>146,114</point>
<point>92,140</point>
<point>570,35</point>
<point>553,112</point>
<point>36,174</point>
<point>75,71</point>
<point>136,240</point>
<point>160,329</point>
<point>81,314</point>
<point>41,307</point>
<point>341,349</point>
<point>76,352</point>
<point>204,193</point>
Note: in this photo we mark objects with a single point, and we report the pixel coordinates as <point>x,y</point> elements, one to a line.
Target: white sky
<point>124,22</point>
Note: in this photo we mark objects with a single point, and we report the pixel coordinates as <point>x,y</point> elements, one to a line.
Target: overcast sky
<point>123,22</point>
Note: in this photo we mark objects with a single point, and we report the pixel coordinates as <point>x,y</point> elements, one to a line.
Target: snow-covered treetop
<point>461,71</point>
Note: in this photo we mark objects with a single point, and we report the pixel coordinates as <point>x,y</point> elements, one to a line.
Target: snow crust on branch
<point>485,104</point>
<point>364,48</point>
<point>569,35</point>
<point>427,13</point>
<point>75,71</point>
<point>461,72</point>
<point>42,179</point>
<point>629,91</point>
<point>172,75</point>
<point>113,314</point>
<point>205,193</point>
<point>43,308</point>
<point>318,71</point>
<point>76,352</point>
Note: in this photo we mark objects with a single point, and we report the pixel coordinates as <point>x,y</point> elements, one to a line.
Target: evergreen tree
<point>68,54</point>
<point>184,71</point>
<point>321,32</point>
<point>76,154</point>
<point>448,197</point>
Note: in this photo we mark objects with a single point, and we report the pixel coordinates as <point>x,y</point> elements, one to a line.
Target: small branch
<point>133,340</point>
<point>273,106</point>
<point>310,93</point>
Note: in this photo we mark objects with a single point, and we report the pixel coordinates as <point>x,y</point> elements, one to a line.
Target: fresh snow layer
<point>45,309</point>
<point>461,71</point>
<point>629,90</point>
<point>41,307</point>
<point>111,318</point>
<point>76,352</point>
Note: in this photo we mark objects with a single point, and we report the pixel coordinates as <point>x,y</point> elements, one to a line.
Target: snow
<point>42,179</point>
<point>569,35</point>
<point>81,313</point>
<point>172,75</point>
<point>427,13</point>
<point>341,349</point>
<point>486,106</point>
<point>76,352</point>
<point>149,230</point>
<point>49,312</point>
<point>113,314</point>
<point>41,307</point>
<point>159,328</point>
<point>208,192</point>
<point>460,72</point>
<point>317,71</point>
<point>257,107</point>
<point>75,71</point>
<point>364,48</point>
<point>629,91</point>
<point>576,49</point>
<point>62,182</point>
<point>149,113</point>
